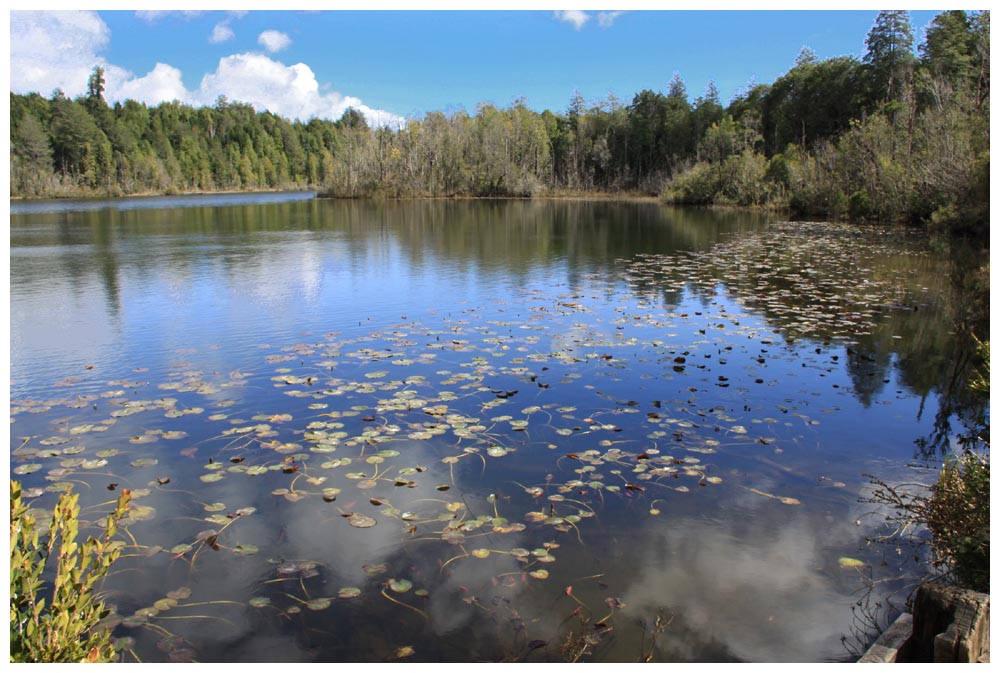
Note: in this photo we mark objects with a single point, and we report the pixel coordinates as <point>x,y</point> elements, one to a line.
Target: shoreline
<point>556,195</point>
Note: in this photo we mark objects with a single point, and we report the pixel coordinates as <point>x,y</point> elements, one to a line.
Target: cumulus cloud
<point>163,83</point>
<point>221,33</point>
<point>54,49</point>
<point>274,41</point>
<point>289,91</point>
<point>574,16</point>
<point>60,49</point>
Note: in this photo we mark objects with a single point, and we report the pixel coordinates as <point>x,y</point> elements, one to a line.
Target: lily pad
<point>400,586</point>
<point>361,520</point>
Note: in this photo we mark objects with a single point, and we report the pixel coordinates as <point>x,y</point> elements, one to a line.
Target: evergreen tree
<point>890,54</point>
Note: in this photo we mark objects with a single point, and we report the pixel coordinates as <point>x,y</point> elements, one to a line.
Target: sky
<point>393,64</point>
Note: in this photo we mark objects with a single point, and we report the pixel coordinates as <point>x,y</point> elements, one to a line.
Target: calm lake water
<point>474,431</point>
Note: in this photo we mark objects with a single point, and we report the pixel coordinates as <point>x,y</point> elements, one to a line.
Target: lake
<point>476,430</point>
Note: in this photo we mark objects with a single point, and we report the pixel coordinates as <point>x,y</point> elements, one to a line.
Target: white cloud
<point>574,16</point>
<point>221,33</point>
<point>606,19</point>
<point>55,49</point>
<point>153,15</point>
<point>274,41</point>
<point>163,83</point>
<point>60,49</point>
<point>289,91</point>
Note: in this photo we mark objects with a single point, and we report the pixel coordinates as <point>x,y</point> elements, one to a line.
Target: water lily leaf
<point>847,562</point>
<point>211,476</point>
<point>374,568</point>
<point>179,593</point>
<point>361,520</point>
<point>349,592</point>
<point>245,549</point>
<point>144,462</point>
<point>27,469</point>
<point>139,512</point>
<point>319,604</point>
<point>400,586</point>
<point>259,601</point>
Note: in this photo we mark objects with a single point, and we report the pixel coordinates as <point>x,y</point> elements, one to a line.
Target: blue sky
<point>395,64</point>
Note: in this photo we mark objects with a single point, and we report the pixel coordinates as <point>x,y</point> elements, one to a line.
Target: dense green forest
<point>902,134</point>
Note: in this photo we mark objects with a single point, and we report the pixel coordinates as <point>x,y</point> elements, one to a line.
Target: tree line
<point>902,133</point>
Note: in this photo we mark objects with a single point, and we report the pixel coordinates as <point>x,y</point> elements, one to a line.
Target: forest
<point>899,135</point>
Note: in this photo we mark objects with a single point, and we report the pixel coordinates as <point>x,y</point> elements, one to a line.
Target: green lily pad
<point>27,469</point>
<point>179,593</point>
<point>400,586</point>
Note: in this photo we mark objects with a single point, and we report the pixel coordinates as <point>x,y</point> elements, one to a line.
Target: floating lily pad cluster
<point>489,434</point>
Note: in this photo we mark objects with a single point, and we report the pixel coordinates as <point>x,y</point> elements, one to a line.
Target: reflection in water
<point>759,584</point>
<point>561,417</point>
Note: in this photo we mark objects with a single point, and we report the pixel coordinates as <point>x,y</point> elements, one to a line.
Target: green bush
<point>958,516</point>
<point>698,185</point>
<point>746,185</point>
<point>859,206</point>
<point>54,606</point>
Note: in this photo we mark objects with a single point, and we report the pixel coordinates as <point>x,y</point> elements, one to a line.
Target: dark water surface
<point>472,431</point>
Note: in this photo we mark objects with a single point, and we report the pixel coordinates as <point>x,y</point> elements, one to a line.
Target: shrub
<point>859,206</point>
<point>698,185</point>
<point>746,185</point>
<point>53,604</point>
<point>958,516</point>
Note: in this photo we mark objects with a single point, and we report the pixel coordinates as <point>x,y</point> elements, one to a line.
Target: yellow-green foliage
<point>980,380</point>
<point>53,601</point>
<point>958,515</point>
